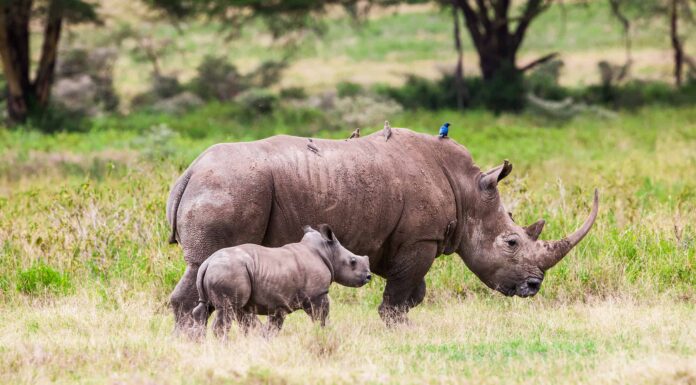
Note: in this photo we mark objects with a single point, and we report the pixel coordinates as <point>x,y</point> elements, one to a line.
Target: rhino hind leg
<point>405,287</point>
<point>183,299</point>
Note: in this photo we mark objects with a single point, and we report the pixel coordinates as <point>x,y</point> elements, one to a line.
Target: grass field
<point>85,270</point>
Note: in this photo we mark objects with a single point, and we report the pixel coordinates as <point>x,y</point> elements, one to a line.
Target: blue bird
<point>444,130</point>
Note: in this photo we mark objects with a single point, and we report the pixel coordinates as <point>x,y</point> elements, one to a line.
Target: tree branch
<point>531,10</point>
<point>483,16</point>
<point>539,61</point>
<point>472,23</point>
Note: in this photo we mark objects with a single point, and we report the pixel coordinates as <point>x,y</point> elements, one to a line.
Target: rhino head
<point>505,256</point>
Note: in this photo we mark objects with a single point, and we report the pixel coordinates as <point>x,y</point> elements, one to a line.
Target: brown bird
<point>386,131</point>
<point>312,147</point>
<point>355,134</point>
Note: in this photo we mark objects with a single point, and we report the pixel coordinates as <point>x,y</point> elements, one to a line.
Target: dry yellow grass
<point>127,340</point>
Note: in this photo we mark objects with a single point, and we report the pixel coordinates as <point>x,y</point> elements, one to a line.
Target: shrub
<point>266,74</point>
<point>217,79</point>
<point>294,93</point>
<point>543,81</point>
<point>57,118</point>
<point>165,86</point>
<point>258,100</point>
<point>41,278</point>
<point>505,91</point>
<point>420,92</point>
<point>349,89</point>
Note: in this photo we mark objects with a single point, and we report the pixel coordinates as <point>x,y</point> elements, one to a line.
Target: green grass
<point>85,270</point>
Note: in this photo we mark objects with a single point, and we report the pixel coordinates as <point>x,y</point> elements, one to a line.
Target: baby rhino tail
<point>200,312</point>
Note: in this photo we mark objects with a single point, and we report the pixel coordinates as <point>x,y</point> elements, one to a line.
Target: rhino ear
<point>327,233</point>
<point>534,230</point>
<point>489,180</point>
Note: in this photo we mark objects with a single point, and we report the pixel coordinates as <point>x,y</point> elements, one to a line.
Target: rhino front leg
<point>274,324</point>
<point>405,282</point>
<point>183,299</point>
<point>318,309</point>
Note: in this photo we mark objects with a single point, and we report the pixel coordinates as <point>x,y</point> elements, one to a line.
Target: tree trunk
<point>462,92</point>
<point>676,44</point>
<point>49,52</point>
<point>14,50</point>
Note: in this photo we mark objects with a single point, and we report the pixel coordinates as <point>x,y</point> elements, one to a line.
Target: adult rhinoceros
<point>402,200</point>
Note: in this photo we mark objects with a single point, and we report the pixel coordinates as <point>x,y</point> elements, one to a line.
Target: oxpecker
<point>386,130</point>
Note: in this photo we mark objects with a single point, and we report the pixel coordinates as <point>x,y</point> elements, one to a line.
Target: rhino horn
<point>534,230</point>
<point>490,178</point>
<point>556,250</point>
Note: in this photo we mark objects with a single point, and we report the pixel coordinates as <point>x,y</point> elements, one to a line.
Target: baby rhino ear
<point>327,233</point>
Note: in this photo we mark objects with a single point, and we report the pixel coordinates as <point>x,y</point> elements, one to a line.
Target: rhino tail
<point>174,200</point>
<point>200,312</point>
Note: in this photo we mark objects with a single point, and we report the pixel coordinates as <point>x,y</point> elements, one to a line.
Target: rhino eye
<point>353,261</point>
<point>511,242</point>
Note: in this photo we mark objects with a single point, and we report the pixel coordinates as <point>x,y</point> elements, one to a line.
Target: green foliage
<point>418,92</point>
<point>279,17</point>
<point>41,278</point>
<point>217,79</point>
<point>56,118</point>
<point>258,101</point>
<point>296,93</point>
<point>349,89</point>
<point>636,94</point>
<point>505,91</point>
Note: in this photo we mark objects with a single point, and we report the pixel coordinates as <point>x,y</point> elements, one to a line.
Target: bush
<point>295,93</point>
<point>420,92</point>
<point>217,79</point>
<point>349,89</point>
<point>258,101</point>
<point>41,278</point>
<point>543,81</point>
<point>266,74</point>
<point>505,91</point>
<point>56,118</point>
<point>635,94</point>
<point>165,86</point>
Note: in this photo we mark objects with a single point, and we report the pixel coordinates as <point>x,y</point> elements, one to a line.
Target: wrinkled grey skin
<point>401,200</point>
<point>250,279</point>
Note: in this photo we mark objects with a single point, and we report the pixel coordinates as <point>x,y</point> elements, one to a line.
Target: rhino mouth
<point>527,288</point>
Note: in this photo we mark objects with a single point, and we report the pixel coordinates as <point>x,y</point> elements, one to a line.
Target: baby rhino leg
<point>229,291</point>
<point>318,308</point>
<point>223,322</point>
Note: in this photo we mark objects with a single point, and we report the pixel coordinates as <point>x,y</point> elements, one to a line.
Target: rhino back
<point>376,194</point>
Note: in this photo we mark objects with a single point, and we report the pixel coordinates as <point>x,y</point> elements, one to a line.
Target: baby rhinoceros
<point>242,281</point>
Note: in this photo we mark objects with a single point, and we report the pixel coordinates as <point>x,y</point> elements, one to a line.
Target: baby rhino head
<point>348,269</point>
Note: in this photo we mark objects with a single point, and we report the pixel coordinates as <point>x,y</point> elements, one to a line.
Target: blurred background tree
<point>672,13</point>
<point>26,95</point>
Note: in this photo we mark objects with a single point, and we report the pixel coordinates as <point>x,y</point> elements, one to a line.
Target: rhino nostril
<point>368,277</point>
<point>533,283</point>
